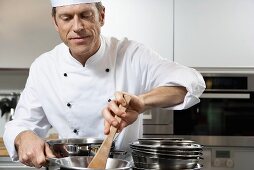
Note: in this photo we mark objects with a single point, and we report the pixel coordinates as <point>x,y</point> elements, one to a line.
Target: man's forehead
<point>56,3</point>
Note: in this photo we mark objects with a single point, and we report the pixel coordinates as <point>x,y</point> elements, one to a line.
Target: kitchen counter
<point>3,151</point>
<point>6,163</point>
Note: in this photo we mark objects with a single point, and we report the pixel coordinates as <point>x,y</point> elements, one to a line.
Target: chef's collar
<point>73,65</point>
<point>98,55</point>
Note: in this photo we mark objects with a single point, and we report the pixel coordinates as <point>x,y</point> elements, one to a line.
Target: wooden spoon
<point>99,161</point>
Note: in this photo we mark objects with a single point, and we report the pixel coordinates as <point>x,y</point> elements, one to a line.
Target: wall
<point>26,31</point>
<point>26,35</point>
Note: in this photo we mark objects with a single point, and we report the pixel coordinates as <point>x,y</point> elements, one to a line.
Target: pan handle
<point>76,149</point>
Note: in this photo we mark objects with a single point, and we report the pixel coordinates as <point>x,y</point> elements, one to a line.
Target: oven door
<point>221,118</point>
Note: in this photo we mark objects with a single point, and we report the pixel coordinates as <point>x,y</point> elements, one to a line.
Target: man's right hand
<point>32,150</point>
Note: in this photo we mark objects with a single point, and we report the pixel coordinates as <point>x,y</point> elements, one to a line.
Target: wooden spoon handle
<point>101,156</point>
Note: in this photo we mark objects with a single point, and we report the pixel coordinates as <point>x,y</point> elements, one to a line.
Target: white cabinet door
<point>26,31</point>
<point>147,21</point>
<point>214,33</point>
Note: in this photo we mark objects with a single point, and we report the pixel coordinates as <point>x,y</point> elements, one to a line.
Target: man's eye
<point>65,18</point>
<point>87,16</point>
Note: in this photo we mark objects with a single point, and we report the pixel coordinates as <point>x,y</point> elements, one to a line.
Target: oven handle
<point>226,95</point>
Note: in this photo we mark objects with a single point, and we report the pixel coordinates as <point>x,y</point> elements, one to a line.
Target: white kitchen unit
<point>214,33</point>
<point>26,31</point>
<point>147,21</point>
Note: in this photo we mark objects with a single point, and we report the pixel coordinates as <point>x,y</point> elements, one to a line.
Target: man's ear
<point>102,16</point>
<point>55,23</point>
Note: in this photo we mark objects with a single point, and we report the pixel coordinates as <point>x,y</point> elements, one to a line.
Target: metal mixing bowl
<point>81,163</point>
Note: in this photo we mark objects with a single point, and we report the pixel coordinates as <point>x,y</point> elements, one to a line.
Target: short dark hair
<point>98,5</point>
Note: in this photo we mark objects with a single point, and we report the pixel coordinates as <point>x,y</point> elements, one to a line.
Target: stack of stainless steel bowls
<point>166,153</point>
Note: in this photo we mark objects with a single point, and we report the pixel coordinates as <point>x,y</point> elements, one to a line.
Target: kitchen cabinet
<point>214,33</point>
<point>147,21</point>
<point>26,31</point>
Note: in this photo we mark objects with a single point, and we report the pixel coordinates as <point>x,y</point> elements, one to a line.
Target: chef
<point>77,87</point>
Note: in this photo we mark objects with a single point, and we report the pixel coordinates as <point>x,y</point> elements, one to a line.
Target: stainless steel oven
<point>225,114</point>
<point>223,121</point>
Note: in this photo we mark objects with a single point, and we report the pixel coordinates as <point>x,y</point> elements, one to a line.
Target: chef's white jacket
<point>62,93</point>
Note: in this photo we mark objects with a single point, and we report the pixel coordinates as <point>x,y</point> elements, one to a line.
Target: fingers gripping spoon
<point>100,159</point>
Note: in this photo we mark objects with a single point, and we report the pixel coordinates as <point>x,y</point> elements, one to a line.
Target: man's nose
<point>77,25</point>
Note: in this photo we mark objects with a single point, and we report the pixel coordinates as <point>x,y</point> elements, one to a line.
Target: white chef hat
<point>56,3</point>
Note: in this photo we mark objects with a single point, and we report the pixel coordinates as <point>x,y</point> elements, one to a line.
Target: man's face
<point>79,27</point>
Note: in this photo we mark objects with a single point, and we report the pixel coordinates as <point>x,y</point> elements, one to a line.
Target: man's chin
<point>81,50</point>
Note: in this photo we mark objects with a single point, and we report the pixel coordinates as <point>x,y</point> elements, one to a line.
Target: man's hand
<point>133,108</point>
<point>32,150</point>
<point>160,97</point>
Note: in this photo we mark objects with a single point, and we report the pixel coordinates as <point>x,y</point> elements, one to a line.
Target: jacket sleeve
<point>154,71</point>
<point>28,115</point>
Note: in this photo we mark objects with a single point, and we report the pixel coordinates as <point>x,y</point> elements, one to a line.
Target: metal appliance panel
<point>227,158</point>
<point>158,122</point>
<point>157,130</point>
